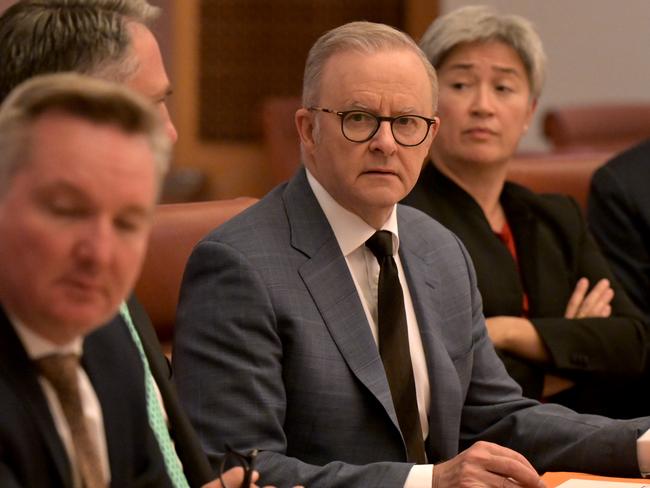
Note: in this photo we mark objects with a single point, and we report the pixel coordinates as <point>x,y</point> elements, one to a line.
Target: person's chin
<point>486,156</point>
<point>88,322</point>
<point>86,315</point>
<point>384,196</point>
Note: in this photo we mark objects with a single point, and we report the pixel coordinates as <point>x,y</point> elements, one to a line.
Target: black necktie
<point>394,345</point>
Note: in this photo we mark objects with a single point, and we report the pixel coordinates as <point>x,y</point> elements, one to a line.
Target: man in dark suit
<point>618,213</point>
<point>82,162</point>
<point>284,307</point>
<point>109,40</point>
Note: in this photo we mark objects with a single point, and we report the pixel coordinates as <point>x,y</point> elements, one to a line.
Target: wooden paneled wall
<point>234,161</point>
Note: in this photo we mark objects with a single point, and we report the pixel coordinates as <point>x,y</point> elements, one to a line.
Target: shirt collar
<point>350,230</point>
<point>37,346</point>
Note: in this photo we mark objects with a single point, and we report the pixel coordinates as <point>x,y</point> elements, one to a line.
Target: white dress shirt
<point>38,347</point>
<point>351,233</point>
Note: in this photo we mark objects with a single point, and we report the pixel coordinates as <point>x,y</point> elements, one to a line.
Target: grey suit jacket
<point>273,350</point>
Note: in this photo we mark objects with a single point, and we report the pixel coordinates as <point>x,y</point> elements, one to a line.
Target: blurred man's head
<point>108,39</point>
<point>81,163</point>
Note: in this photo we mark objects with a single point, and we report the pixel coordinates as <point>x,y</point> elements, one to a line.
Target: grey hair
<point>483,24</point>
<point>86,36</point>
<point>91,99</point>
<point>364,37</point>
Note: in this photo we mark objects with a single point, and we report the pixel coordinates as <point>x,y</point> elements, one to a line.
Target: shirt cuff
<point>420,476</point>
<point>643,453</point>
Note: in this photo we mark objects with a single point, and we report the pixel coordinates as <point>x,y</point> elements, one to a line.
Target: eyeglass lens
<point>408,130</point>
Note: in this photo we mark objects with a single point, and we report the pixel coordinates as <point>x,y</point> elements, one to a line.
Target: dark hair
<point>86,36</point>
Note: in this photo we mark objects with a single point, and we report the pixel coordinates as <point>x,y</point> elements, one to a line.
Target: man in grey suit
<point>279,322</point>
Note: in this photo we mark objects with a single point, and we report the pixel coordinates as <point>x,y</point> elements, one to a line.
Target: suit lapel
<point>532,263</point>
<point>446,397</point>
<point>327,277</point>
<point>19,370</point>
<point>97,357</point>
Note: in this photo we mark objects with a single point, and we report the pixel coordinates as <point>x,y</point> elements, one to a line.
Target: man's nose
<point>383,140</point>
<point>95,244</point>
<point>172,133</point>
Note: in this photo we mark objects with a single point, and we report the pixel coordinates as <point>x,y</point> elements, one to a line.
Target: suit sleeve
<point>611,346</point>
<point>7,479</point>
<point>228,365</point>
<point>618,227</point>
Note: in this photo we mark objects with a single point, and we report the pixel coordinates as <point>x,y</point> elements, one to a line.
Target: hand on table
<point>484,465</point>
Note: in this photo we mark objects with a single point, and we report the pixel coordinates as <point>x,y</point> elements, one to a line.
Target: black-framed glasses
<point>231,459</point>
<point>361,126</point>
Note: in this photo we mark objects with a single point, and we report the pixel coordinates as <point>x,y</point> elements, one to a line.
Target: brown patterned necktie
<point>394,345</point>
<point>61,371</point>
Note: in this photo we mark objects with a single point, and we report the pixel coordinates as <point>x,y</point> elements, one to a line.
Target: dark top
<point>554,250</point>
<point>619,217</point>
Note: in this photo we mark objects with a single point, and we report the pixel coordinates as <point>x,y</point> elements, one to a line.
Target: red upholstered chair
<point>568,173</point>
<point>177,228</point>
<point>611,127</point>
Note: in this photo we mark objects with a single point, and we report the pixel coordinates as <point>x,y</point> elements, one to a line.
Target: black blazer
<point>188,447</point>
<point>619,217</point>
<point>31,451</point>
<point>554,250</point>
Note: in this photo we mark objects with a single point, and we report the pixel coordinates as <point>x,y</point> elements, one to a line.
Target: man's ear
<point>305,125</point>
<point>435,127</point>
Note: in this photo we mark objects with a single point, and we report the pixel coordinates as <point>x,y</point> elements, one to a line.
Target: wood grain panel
<point>252,49</point>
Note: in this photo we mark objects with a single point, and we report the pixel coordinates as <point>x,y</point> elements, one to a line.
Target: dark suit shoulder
<point>28,436</point>
<point>625,174</point>
<point>636,158</point>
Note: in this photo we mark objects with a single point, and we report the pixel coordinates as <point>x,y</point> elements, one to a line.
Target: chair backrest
<point>177,228</point>
<point>281,141</point>
<point>611,127</point>
<point>567,173</point>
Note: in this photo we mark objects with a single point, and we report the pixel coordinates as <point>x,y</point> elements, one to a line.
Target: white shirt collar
<point>37,346</point>
<point>350,230</point>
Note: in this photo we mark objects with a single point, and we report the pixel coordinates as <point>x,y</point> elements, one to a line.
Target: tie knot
<point>381,244</point>
<point>59,369</point>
